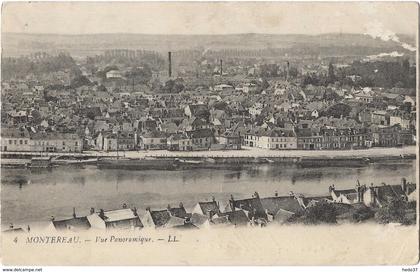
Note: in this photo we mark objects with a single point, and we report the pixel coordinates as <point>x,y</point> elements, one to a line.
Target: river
<point>36,196</point>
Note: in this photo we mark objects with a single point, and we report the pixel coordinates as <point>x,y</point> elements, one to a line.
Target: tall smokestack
<point>287,70</point>
<point>221,67</point>
<point>170,63</point>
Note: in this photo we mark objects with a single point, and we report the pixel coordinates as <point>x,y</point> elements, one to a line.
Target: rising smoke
<point>377,30</point>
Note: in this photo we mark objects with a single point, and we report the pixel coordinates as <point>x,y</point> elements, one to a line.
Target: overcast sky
<point>209,18</point>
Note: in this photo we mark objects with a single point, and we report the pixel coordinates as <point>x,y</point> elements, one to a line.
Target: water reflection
<point>33,196</point>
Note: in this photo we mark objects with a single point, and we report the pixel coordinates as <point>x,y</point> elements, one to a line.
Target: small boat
<point>40,163</point>
<point>177,160</point>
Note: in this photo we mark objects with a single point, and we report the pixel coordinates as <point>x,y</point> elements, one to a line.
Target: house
<point>400,118</point>
<point>201,138</point>
<point>223,88</point>
<point>207,208</point>
<point>281,208</point>
<point>153,140</point>
<point>15,139</point>
<point>390,136</point>
<point>179,142</point>
<point>114,74</point>
<point>72,224</point>
<point>197,110</point>
<point>56,142</point>
<point>107,141</point>
<point>410,99</point>
<point>115,219</point>
<point>126,140</point>
<point>253,207</point>
<point>348,196</point>
<point>379,195</point>
<point>380,117</point>
<point>364,96</point>
<point>230,140</point>
<point>169,218</point>
<point>237,218</point>
<point>309,139</point>
<point>275,139</point>
<point>344,138</point>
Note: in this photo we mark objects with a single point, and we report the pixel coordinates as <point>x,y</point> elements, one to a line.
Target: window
<point>20,141</point>
<point>76,143</point>
<point>26,141</point>
<point>10,141</point>
<point>64,143</point>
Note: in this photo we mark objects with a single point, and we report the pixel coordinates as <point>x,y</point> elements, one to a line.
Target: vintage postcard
<point>209,133</point>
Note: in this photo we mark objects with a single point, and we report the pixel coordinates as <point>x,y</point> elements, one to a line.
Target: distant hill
<point>15,44</point>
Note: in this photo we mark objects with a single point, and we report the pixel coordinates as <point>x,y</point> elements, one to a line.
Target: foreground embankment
<point>357,157</point>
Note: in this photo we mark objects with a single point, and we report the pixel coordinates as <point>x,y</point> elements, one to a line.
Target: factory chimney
<point>221,67</point>
<point>287,70</point>
<point>170,64</point>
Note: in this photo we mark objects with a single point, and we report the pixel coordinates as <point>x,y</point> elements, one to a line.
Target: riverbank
<point>263,153</point>
<point>161,159</point>
<point>244,152</point>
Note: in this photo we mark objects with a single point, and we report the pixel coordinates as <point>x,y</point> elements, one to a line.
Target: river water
<point>36,196</point>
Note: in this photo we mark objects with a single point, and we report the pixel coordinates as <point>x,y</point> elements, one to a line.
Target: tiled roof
<point>160,218</point>
<point>201,133</point>
<point>252,205</point>
<point>344,192</point>
<point>288,203</point>
<point>209,206</point>
<point>119,215</point>
<point>78,223</point>
<point>237,218</point>
<point>178,212</point>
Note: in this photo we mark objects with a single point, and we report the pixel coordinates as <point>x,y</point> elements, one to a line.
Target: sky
<point>382,18</point>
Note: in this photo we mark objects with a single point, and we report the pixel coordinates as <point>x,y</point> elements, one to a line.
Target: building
<point>201,138</point>
<point>391,136</point>
<point>197,110</point>
<point>379,195</point>
<point>56,142</point>
<point>271,139</point>
<point>309,139</point>
<point>115,219</point>
<point>380,117</point>
<point>179,142</point>
<point>169,218</point>
<point>230,140</point>
<point>13,139</point>
<point>345,138</point>
<point>207,208</point>
<point>153,140</point>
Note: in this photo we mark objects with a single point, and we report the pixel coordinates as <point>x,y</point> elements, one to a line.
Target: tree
<point>174,86</point>
<point>322,212</point>
<point>331,75</point>
<point>139,75</point>
<point>338,110</point>
<point>406,107</point>
<point>392,211</point>
<point>362,214</point>
<point>80,81</point>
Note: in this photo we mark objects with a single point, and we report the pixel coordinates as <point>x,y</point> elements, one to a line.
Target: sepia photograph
<point>209,133</point>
